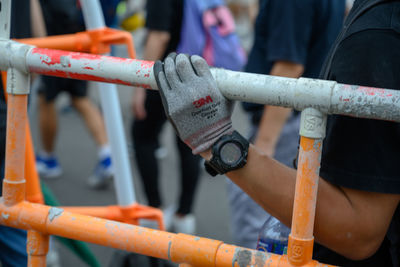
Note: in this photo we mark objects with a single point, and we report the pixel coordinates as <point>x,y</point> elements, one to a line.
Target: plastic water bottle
<point>273,237</point>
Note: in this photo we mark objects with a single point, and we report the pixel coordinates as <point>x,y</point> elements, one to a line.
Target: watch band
<point>210,169</point>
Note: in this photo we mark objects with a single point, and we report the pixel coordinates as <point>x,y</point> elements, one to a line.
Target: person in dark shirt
<point>164,18</point>
<point>292,39</point>
<point>64,17</point>
<point>357,211</point>
<point>375,33</point>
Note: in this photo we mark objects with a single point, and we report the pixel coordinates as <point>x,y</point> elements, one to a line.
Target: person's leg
<point>183,219</point>
<point>92,118</point>
<point>145,138</point>
<point>94,122</point>
<point>190,170</point>
<point>47,123</point>
<point>247,217</point>
<point>46,161</point>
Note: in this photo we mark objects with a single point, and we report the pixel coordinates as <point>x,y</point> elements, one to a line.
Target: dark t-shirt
<point>299,31</point>
<point>62,16</point>
<point>166,15</point>
<point>363,153</point>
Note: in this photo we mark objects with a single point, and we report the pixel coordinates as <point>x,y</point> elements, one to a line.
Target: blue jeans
<point>13,247</point>
<point>247,217</point>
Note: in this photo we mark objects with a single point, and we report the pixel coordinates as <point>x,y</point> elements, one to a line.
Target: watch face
<point>230,153</point>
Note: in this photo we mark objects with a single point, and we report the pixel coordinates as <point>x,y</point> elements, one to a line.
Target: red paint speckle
<point>78,76</point>
<point>146,64</point>
<point>47,56</point>
<point>88,68</point>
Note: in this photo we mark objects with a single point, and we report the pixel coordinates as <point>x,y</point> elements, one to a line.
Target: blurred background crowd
<point>71,144</point>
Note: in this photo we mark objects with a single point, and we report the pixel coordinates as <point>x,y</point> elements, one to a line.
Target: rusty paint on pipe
<point>178,247</point>
<point>301,237</point>
<point>14,182</point>
<point>37,248</point>
<point>91,67</point>
<point>33,190</point>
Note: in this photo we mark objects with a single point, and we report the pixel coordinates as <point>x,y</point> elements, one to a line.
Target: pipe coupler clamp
<point>18,83</point>
<point>313,123</point>
<point>13,55</point>
<point>313,93</point>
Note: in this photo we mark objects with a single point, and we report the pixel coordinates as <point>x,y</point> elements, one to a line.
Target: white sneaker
<point>167,217</point>
<point>161,152</point>
<point>148,223</point>
<point>184,224</point>
<point>168,214</point>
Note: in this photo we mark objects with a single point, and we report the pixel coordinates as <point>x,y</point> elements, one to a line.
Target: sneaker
<point>168,214</point>
<point>48,167</point>
<point>161,152</point>
<point>102,175</point>
<point>184,224</point>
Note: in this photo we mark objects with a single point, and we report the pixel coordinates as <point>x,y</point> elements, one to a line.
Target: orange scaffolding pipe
<point>42,221</point>
<point>301,239</point>
<point>93,41</point>
<point>179,248</point>
<point>33,191</point>
<point>96,41</point>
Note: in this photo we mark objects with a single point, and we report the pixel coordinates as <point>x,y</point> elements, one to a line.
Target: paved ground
<point>77,155</point>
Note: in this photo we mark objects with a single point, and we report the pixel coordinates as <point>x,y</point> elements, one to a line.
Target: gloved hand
<point>198,111</point>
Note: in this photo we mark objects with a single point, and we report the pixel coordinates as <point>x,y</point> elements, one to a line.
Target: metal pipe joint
<point>13,55</point>
<point>313,123</point>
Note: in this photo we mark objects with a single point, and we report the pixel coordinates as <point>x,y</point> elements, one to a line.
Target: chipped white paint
<point>328,97</point>
<point>5,14</point>
<point>54,213</point>
<point>5,216</point>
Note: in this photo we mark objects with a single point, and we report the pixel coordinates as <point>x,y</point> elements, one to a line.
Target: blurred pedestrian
<point>64,17</point>
<point>357,213</point>
<point>163,22</point>
<point>292,39</point>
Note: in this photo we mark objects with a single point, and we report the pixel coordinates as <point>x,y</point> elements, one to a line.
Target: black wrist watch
<point>228,153</point>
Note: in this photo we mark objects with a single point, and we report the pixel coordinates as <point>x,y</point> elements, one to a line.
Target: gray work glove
<point>198,111</point>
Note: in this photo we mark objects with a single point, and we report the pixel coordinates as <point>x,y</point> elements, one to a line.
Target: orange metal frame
<point>97,42</point>
<point>42,221</point>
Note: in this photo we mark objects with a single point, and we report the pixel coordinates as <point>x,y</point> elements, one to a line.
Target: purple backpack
<point>208,30</point>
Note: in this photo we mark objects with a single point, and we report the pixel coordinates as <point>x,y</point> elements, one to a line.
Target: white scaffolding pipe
<point>326,96</point>
<point>5,15</point>
<point>109,100</point>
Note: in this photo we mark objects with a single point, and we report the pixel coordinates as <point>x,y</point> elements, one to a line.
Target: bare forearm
<point>37,20</point>
<point>343,220</point>
<point>156,44</point>
<point>271,124</point>
<point>274,118</point>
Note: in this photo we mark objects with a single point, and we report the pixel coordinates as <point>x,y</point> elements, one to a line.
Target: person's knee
<point>46,103</point>
<point>80,102</point>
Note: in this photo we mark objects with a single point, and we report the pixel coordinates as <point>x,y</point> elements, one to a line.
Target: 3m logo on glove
<point>202,101</point>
